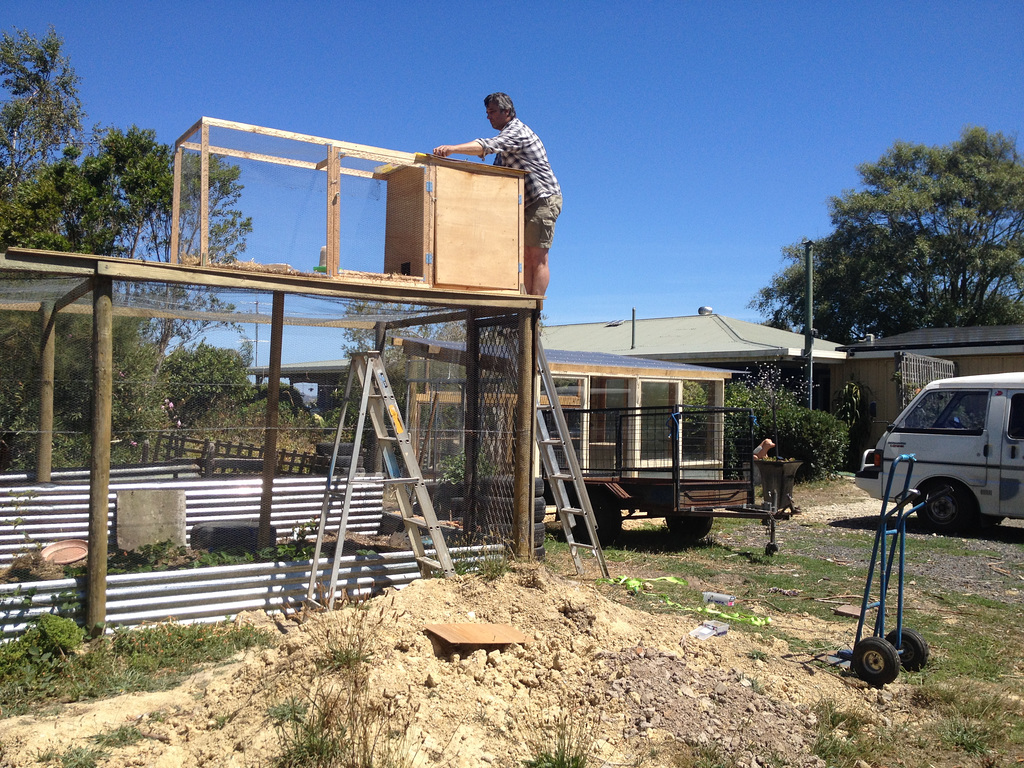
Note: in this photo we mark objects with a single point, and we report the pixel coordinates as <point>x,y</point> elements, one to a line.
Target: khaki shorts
<point>540,221</point>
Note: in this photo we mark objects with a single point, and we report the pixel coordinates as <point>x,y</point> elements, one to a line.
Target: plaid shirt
<point>519,147</point>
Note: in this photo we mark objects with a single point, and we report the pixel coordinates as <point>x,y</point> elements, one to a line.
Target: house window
<point>653,393</point>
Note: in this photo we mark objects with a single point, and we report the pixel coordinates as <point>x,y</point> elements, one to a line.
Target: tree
<point>228,227</point>
<point>935,238</point>
<point>197,378</point>
<point>41,113</point>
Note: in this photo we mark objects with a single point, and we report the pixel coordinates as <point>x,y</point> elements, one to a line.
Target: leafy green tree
<point>135,406</point>
<point>40,112</point>
<point>934,238</point>
<point>198,378</point>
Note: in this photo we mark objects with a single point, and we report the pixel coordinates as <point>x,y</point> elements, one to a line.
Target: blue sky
<point>692,140</point>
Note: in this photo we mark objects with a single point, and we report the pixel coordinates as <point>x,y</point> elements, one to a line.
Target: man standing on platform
<point>516,146</point>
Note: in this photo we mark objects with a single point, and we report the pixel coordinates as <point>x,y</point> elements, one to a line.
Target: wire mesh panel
<point>706,452</point>
<point>250,192</point>
<point>190,367</point>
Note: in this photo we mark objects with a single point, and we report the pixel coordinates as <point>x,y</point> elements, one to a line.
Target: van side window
<point>949,410</point>
<point>1015,428</point>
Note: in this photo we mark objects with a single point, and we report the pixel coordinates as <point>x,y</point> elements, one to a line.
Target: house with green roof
<point>705,339</point>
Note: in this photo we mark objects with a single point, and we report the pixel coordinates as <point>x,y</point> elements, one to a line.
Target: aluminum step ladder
<point>401,470</point>
<point>555,440</point>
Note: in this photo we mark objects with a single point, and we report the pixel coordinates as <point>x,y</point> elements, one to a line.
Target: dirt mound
<point>639,682</point>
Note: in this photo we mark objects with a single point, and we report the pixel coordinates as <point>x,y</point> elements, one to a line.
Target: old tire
<point>913,651</point>
<point>690,528</point>
<point>875,661</point>
<point>948,508</point>
<point>607,515</point>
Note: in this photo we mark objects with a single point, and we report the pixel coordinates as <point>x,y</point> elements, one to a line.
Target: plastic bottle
<point>718,597</point>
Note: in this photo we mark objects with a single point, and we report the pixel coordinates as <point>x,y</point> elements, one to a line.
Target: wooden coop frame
<point>434,234</point>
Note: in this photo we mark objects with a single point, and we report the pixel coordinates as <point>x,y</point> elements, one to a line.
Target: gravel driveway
<point>989,564</point>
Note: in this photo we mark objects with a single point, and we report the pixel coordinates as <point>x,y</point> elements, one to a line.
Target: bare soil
<point>651,694</point>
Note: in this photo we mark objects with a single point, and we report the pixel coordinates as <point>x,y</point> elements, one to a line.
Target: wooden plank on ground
<point>477,634</point>
<point>847,610</point>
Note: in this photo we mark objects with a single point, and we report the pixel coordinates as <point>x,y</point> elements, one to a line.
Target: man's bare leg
<point>537,275</point>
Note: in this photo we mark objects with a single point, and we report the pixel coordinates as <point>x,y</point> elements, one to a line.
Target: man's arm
<point>469,148</point>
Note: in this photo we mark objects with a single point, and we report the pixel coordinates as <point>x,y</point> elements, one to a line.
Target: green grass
<point>146,659</point>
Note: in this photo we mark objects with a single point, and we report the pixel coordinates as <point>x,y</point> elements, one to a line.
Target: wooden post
<point>99,470</point>
<point>44,445</point>
<point>172,257</point>
<point>333,211</point>
<point>264,538</point>
<point>204,197</point>
<point>522,514</point>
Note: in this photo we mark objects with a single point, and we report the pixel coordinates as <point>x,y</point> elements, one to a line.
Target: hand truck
<point>877,659</point>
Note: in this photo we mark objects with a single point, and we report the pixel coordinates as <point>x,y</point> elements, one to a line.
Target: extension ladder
<point>401,469</point>
<point>557,440</point>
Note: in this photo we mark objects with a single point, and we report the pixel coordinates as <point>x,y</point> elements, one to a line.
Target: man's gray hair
<point>502,101</point>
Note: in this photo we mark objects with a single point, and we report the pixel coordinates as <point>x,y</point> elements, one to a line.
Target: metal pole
<point>99,469</point>
<point>809,321</point>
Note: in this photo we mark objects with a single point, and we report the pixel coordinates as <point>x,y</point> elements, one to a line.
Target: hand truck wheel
<point>875,661</point>
<point>914,650</point>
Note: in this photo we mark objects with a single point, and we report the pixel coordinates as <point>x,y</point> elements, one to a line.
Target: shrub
<point>816,438</point>
<point>58,634</point>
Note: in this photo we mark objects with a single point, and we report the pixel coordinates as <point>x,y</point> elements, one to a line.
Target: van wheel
<point>948,508</point>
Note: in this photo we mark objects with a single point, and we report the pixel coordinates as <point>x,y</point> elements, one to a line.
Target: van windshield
<point>947,410</point>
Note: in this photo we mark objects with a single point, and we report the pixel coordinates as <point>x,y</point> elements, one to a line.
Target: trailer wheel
<point>875,661</point>
<point>914,651</point>
<point>949,507</point>
<point>690,528</point>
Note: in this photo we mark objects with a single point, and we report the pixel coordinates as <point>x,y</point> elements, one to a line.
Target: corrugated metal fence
<point>213,594</point>
<point>37,515</point>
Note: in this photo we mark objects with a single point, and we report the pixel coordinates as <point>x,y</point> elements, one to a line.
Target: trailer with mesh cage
<point>684,464</point>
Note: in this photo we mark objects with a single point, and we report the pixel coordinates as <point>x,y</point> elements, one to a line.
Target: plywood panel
<point>477,634</point>
<point>477,230</point>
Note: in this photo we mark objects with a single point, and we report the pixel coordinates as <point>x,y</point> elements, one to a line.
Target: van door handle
<point>1013,451</point>
<point>984,451</point>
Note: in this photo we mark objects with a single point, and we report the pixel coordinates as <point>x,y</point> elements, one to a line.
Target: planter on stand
<point>777,482</point>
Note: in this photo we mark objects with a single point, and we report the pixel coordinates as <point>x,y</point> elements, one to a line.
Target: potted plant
<point>777,473</point>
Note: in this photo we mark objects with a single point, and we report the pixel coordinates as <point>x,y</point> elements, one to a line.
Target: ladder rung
<point>418,523</point>
<point>428,561</point>
<point>573,511</point>
<point>559,476</point>
<point>552,441</point>
<point>579,545</point>
<point>387,439</point>
<point>402,480</point>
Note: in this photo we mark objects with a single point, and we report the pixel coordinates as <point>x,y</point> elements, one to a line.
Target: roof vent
<point>614,323</point>
<point>705,311</point>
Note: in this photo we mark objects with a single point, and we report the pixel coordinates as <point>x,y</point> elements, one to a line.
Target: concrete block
<point>149,516</point>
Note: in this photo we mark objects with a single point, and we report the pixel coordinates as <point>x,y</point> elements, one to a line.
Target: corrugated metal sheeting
<point>34,516</point>
<point>214,594</point>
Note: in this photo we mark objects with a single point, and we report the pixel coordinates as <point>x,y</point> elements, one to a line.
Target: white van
<point>967,434</point>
